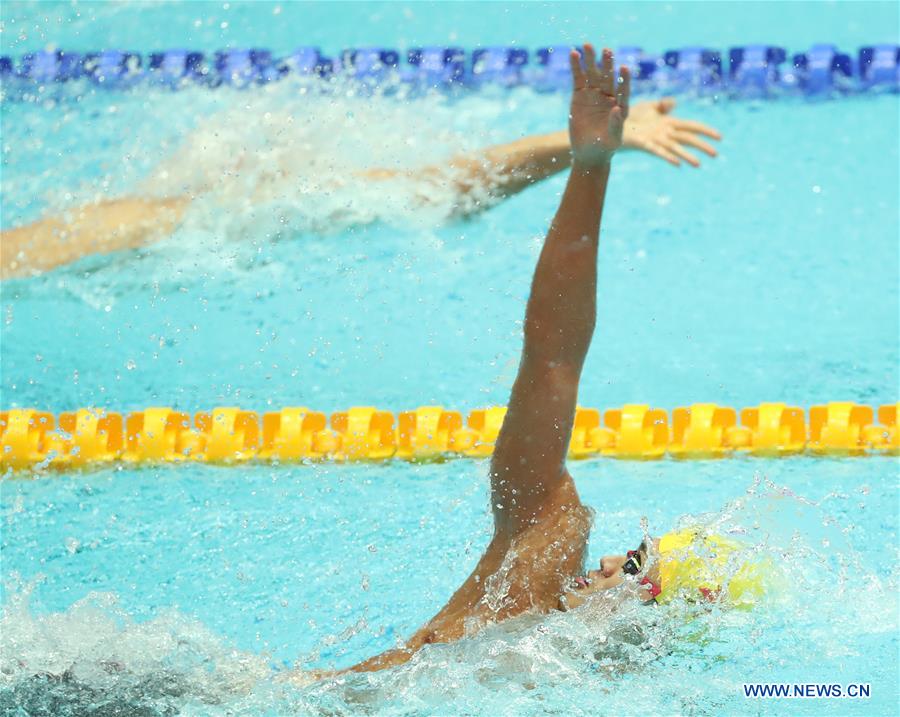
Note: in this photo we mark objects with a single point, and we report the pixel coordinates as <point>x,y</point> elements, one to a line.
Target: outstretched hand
<point>651,128</point>
<point>599,107</point>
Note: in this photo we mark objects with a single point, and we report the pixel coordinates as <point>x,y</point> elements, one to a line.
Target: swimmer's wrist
<point>593,166</point>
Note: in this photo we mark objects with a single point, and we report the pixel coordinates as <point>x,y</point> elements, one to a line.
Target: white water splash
<point>291,160</point>
<point>95,655</point>
<point>591,659</point>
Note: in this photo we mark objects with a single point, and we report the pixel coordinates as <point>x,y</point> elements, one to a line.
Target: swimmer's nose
<point>607,566</point>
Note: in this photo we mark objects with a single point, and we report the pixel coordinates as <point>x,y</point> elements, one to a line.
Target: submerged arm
<point>490,175</point>
<point>507,169</point>
<point>99,228</point>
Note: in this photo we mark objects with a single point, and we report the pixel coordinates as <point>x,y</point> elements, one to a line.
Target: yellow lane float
<point>484,426</point>
<point>365,432</point>
<point>639,432</point>
<point>23,434</point>
<point>838,428</point>
<point>770,429</point>
<point>885,437</point>
<point>587,435</point>
<point>227,435</point>
<point>699,431</point>
<point>86,436</point>
<point>427,432</point>
<point>158,435</point>
<point>289,434</point>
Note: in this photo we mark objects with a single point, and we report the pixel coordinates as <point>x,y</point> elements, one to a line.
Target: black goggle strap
<point>632,566</point>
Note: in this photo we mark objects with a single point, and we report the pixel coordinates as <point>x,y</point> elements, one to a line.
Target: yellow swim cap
<point>708,567</point>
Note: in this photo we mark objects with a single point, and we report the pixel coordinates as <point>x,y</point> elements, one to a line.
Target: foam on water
<point>299,157</point>
<point>287,161</point>
<point>95,659</point>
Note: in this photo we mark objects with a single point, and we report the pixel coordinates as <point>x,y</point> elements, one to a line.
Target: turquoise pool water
<point>770,274</point>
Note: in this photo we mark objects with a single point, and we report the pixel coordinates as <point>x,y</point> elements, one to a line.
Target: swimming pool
<point>769,274</point>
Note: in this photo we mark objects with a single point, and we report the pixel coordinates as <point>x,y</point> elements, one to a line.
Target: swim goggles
<point>633,565</point>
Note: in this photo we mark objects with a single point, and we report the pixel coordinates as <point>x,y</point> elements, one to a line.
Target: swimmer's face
<point>610,574</point>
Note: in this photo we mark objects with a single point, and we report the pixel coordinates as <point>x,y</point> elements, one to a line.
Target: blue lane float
<point>746,71</point>
<point>755,68</point>
<point>692,68</point>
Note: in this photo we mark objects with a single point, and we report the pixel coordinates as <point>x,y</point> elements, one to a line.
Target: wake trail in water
<point>291,161</point>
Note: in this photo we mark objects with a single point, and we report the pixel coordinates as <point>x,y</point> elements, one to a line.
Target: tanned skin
<point>540,525</point>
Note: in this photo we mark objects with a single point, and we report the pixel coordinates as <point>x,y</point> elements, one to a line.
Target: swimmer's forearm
<point>561,311</point>
<point>99,228</point>
<point>503,170</point>
<point>496,172</point>
<point>528,475</point>
<point>507,169</point>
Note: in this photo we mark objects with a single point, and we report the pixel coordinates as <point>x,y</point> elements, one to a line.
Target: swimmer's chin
<point>607,592</point>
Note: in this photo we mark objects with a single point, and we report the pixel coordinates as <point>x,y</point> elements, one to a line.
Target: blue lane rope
<point>748,71</point>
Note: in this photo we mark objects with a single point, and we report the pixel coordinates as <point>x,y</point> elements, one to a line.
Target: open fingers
<point>607,76</point>
<point>693,140</point>
<point>682,153</point>
<point>663,153</point>
<point>590,65</point>
<point>623,90</point>
<point>579,79</point>
<point>698,127</point>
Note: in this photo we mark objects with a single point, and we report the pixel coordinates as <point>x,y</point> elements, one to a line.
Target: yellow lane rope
<point>31,439</point>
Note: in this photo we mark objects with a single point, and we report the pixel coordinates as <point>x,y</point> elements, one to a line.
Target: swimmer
<point>534,562</point>
<point>493,174</point>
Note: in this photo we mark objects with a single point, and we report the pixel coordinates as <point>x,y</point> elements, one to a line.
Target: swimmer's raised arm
<point>540,526</point>
<point>528,474</point>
